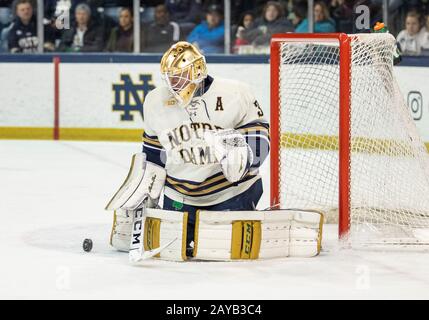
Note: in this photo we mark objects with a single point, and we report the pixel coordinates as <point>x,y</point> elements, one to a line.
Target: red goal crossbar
<point>344,42</point>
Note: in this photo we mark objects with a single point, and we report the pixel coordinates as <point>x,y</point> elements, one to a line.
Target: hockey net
<point>343,140</point>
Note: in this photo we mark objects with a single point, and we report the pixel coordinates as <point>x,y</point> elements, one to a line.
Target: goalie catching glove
<point>231,150</point>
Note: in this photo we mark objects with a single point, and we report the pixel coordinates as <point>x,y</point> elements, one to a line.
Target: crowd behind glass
<point>107,26</point>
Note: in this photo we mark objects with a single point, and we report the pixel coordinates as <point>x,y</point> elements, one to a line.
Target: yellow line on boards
<point>97,134</point>
<point>83,134</point>
<point>26,133</point>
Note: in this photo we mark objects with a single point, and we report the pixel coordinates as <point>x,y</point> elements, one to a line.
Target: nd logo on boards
<point>129,96</point>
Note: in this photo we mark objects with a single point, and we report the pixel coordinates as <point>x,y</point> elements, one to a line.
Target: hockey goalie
<point>204,140</point>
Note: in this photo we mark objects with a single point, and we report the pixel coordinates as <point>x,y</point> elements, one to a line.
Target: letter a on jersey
<point>219,105</point>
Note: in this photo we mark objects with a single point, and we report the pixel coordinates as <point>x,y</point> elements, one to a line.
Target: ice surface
<point>53,195</point>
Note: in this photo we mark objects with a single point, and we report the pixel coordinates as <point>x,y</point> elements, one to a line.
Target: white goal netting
<point>389,167</point>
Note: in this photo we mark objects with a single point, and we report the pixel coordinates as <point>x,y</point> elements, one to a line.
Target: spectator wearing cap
<point>322,20</point>
<point>85,35</point>
<point>162,33</point>
<point>272,21</point>
<point>208,36</point>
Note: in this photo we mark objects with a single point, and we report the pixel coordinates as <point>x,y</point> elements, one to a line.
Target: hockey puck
<point>87,245</point>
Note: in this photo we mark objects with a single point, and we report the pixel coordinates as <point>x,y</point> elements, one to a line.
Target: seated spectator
<point>408,39</point>
<point>85,35</point>
<point>272,21</point>
<point>424,37</point>
<point>122,37</point>
<point>322,20</point>
<point>245,23</point>
<point>22,36</point>
<point>208,36</point>
<point>162,33</point>
<point>298,14</point>
<point>184,11</point>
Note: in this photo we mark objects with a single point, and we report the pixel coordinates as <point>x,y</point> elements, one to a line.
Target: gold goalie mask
<point>183,68</point>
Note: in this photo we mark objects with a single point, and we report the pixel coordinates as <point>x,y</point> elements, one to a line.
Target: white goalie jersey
<point>174,138</point>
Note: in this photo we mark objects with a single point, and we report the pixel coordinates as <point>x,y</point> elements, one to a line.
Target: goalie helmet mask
<point>183,68</point>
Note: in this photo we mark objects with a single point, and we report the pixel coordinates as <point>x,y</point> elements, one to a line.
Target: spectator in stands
<point>209,35</point>
<point>408,39</point>
<point>245,23</point>
<point>22,36</point>
<point>342,13</point>
<point>272,21</point>
<point>322,20</point>
<point>162,33</point>
<point>424,37</point>
<point>299,12</point>
<point>184,11</point>
<point>122,37</point>
<point>57,14</point>
<point>85,35</point>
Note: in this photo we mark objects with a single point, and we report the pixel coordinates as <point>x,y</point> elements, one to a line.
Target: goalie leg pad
<point>160,228</point>
<point>229,235</point>
<point>163,226</point>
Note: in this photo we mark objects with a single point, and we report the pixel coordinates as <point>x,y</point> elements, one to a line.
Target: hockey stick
<point>136,245</point>
<point>138,255</point>
<point>137,252</point>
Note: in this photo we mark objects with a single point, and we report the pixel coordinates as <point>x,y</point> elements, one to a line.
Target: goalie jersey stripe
<point>151,141</point>
<point>257,135</point>
<point>254,126</point>
<point>153,149</point>
<point>210,186</point>
<point>255,129</point>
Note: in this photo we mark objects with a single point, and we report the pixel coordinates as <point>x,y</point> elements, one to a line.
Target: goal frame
<point>344,134</point>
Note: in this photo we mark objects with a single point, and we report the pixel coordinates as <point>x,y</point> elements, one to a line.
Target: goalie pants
<point>242,202</point>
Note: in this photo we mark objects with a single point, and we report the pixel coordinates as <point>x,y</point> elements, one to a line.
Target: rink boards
<point>93,98</point>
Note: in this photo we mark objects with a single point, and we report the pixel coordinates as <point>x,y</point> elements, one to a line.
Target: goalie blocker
<point>227,235</point>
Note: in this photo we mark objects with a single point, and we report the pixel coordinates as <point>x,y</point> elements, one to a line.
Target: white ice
<point>52,196</point>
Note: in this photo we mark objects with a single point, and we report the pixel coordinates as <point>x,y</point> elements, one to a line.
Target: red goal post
<point>344,43</point>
